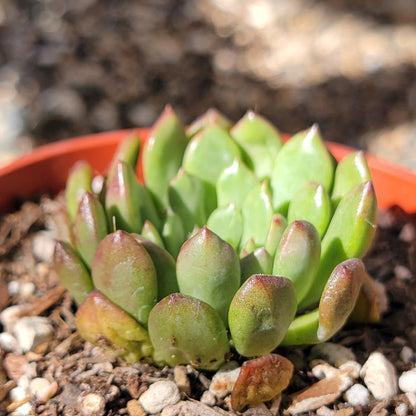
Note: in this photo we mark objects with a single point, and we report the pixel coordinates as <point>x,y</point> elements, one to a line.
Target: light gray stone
<point>159,395</point>
<point>31,331</point>
<point>224,379</point>
<point>407,381</point>
<point>8,342</point>
<point>92,404</point>
<point>357,395</point>
<point>334,354</point>
<point>379,376</point>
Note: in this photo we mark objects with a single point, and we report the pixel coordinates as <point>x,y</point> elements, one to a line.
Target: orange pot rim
<point>45,169</point>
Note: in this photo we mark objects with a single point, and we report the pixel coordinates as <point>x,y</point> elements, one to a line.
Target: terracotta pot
<point>46,170</point>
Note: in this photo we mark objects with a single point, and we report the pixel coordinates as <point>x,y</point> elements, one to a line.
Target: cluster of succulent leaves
<point>234,240</point>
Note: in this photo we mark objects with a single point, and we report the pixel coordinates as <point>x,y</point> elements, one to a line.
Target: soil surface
<point>78,369</point>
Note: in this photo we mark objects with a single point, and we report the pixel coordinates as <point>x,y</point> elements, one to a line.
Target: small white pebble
<point>38,386</point>
<point>43,246</point>
<point>208,398</point>
<point>325,411</point>
<point>92,404</point>
<point>10,315</point>
<point>224,379</point>
<point>402,409</point>
<point>323,370</point>
<point>97,183</point>
<point>8,342</point>
<point>159,395</point>
<point>407,381</point>
<point>27,289</point>
<point>335,354</point>
<point>380,376</point>
<point>357,395</point>
<point>352,367</point>
<point>407,233</point>
<point>412,399</point>
<point>407,355</point>
<point>13,287</point>
<point>402,272</point>
<point>31,331</point>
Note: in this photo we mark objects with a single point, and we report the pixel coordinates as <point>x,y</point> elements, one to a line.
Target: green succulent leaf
<point>192,199</point>
<point>71,271</point>
<point>349,235</point>
<point>312,204</point>
<point>257,215</point>
<point>209,153</point>
<point>260,314</point>
<point>297,256</point>
<point>150,232</point>
<point>124,272</point>
<point>303,330</point>
<point>185,330</point>
<point>303,158</point>
<point>78,182</point>
<point>227,223</point>
<point>90,227</point>
<point>127,151</point>
<point>209,118</point>
<point>208,269</point>
<point>278,225</point>
<point>350,171</point>
<point>339,297</point>
<point>102,323</point>
<point>165,266</point>
<point>173,232</point>
<point>234,183</point>
<point>258,261</point>
<point>260,141</point>
<point>162,155</point>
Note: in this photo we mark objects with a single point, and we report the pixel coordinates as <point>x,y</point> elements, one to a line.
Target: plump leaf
<point>209,118</point>
<point>208,269</point>
<point>192,199</point>
<point>339,297</point>
<point>257,214</point>
<point>312,204</point>
<point>78,182</point>
<point>227,223</point>
<point>278,225</point>
<point>72,271</point>
<point>257,262</point>
<point>297,256</point>
<point>260,314</point>
<point>185,330</point>
<point>303,330</point>
<point>90,227</point>
<point>124,272</point>
<point>260,141</point>
<point>234,183</point>
<point>350,171</point>
<point>102,323</point>
<point>150,232</point>
<point>349,235</point>
<point>209,153</point>
<point>302,159</point>
<point>162,155</point>
<point>127,151</point>
<point>173,232</point>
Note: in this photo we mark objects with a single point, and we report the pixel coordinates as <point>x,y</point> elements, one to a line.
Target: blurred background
<point>72,67</point>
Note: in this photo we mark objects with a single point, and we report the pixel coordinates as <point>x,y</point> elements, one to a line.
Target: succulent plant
<point>235,241</point>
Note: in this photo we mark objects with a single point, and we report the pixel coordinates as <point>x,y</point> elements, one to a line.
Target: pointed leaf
<point>127,151</point>
<point>303,158</point>
<point>312,204</point>
<point>162,155</point>
<point>234,183</point>
<point>257,214</point>
<point>150,232</point>
<point>349,235</point>
<point>351,171</point>
<point>124,272</point>
<point>173,232</point>
<point>227,223</point>
<point>102,323</point>
<point>211,117</point>
<point>209,153</point>
<point>90,227</point>
<point>260,141</point>
<point>339,297</point>
<point>260,314</point>
<point>185,330</point>
<point>257,262</point>
<point>297,256</point>
<point>278,225</point>
<point>78,182</point>
<point>208,269</point>
<point>72,271</point>
<point>192,199</point>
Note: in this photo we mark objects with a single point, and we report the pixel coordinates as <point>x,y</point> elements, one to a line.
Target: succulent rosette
<point>235,241</point>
